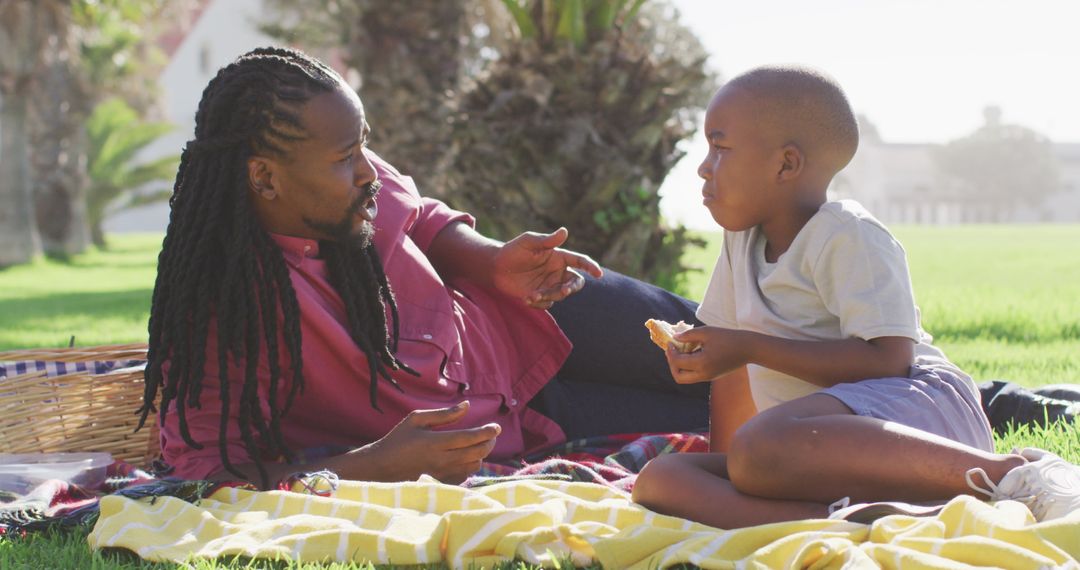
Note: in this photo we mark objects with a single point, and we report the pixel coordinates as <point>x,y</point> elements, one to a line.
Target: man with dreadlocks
<point>309,298</point>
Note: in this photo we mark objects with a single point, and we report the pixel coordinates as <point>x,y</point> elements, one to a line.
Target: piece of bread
<point>661,333</point>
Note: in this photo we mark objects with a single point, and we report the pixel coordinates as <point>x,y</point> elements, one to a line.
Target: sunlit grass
<point>101,297</point>
<point>1002,301</point>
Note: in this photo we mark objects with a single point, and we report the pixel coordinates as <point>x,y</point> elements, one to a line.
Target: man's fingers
<point>452,440</point>
<point>572,283</point>
<point>555,238</point>
<point>582,262</point>
<point>438,416</point>
<point>474,452</point>
<point>541,241</point>
<point>466,461</point>
<point>460,462</point>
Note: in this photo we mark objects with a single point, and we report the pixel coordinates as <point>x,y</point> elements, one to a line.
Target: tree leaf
<point>521,18</point>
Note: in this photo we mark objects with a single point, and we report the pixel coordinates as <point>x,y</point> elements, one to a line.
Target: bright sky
<point>920,70</point>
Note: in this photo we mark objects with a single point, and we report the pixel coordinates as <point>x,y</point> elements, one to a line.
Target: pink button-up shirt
<point>465,342</point>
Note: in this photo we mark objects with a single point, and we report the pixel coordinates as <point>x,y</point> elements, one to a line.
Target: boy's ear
<point>260,177</point>
<point>792,161</point>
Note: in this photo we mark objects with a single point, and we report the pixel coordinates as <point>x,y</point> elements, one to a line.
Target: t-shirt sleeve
<point>434,216</point>
<point>717,307</point>
<point>862,277</point>
<point>431,215</point>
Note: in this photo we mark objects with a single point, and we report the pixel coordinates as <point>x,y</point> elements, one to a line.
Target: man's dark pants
<point>616,380</point>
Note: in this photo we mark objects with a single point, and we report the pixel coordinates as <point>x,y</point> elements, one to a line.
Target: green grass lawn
<point>101,297</point>
<point>1002,301</point>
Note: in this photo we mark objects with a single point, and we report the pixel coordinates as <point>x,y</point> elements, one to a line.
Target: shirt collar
<point>296,249</point>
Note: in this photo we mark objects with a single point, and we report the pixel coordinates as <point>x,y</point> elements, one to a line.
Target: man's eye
<point>347,158</point>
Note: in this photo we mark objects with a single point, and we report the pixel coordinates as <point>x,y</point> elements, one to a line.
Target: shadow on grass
<point>1009,328</point>
<point>114,263</point>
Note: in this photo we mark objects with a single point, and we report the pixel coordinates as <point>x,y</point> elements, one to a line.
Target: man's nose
<point>365,171</point>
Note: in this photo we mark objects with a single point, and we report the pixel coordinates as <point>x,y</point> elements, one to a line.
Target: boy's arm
<point>730,406</point>
<point>824,363</point>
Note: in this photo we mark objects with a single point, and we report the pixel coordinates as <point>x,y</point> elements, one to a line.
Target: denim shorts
<point>934,399</point>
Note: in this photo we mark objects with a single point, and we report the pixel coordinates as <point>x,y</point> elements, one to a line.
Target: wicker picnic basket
<point>78,411</point>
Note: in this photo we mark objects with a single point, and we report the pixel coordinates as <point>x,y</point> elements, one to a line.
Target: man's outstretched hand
<point>532,267</point>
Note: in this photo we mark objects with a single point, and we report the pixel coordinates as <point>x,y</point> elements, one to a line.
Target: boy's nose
<point>703,170</point>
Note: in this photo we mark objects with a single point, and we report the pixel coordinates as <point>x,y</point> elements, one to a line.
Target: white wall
<point>226,29</point>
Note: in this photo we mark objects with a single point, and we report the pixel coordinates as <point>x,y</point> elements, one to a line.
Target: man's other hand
<point>415,447</point>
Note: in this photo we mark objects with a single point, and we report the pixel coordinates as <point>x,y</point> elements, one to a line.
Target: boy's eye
<point>347,157</point>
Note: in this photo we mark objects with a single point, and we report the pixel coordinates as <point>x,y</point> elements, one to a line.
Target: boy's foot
<point>1047,484</point>
<point>866,513</point>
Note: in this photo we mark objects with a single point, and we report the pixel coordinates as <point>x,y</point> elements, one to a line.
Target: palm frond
<point>522,18</point>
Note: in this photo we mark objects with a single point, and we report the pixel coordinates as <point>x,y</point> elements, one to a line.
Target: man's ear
<point>260,177</point>
<point>792,162</point>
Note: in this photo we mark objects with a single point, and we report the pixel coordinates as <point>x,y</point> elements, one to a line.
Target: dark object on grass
<point>1008,404</point>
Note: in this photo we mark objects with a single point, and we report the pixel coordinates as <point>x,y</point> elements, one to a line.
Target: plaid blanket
<point>54,368</point>
<point>610,460</point>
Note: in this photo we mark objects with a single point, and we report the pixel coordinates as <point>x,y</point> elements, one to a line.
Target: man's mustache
<point>369,191</point>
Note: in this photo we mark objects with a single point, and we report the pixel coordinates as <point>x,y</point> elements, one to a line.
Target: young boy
<point>811,307</point>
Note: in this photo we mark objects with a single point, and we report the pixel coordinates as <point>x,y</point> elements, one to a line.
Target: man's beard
<point>344,231</point>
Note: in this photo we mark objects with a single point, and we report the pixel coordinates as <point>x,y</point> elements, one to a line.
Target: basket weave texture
<point>79,411</point>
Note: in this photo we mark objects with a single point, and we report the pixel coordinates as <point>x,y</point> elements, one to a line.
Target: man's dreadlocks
<point>219,267</point>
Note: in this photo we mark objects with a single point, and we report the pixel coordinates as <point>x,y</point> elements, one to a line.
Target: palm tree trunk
<point>21,46</point>
<point>19,241</point>
<point>59,161</point>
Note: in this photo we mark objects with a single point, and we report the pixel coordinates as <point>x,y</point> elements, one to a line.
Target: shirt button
<point>427,337</point>
<point>513,402</point>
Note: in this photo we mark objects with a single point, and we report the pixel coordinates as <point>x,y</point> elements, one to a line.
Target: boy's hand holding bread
<point>662,333</point>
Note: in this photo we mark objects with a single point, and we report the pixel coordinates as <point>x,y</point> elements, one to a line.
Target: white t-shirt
<point>844,276</point>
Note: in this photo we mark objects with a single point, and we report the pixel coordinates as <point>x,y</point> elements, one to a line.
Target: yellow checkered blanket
<point>548,522</point>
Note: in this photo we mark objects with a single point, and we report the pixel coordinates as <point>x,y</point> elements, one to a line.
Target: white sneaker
<point>867,513</point>
<point>1047,484</point>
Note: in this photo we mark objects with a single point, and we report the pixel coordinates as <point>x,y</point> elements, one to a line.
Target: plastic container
<point>21,473</point>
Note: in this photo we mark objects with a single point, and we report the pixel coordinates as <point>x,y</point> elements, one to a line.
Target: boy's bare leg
<point>731,404</point>
<point>695,486</point>
<point>816,449</point>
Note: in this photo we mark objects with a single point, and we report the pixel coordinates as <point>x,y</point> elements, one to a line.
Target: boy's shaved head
<point>805,107</point>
